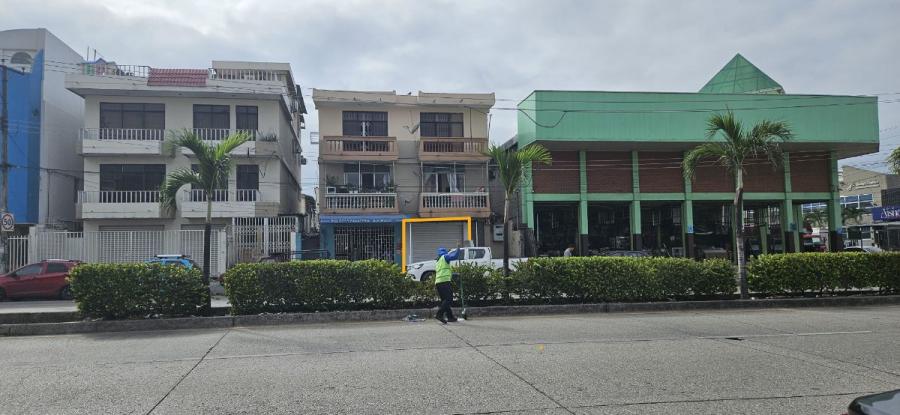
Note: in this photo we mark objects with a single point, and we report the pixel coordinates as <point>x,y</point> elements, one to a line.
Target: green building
<point>616,181</point>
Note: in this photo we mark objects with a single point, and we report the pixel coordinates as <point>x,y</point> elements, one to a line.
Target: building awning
<point>361,218</point>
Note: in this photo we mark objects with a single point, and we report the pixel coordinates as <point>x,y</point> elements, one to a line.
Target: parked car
<point>885,403</point>
<point>424,271</point>
<point>176,259</point>
<point>45,279</point>
<point>866,249</point>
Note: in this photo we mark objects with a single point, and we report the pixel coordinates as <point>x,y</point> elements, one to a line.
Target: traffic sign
<point>7,222</point>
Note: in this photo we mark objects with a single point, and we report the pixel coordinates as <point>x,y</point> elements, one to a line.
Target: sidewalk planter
<point>121,291</point>
<point>824,272</point>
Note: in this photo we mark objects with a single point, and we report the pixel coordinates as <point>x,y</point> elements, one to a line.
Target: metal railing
<point>123,134</point>
<point>219,134</point>
<point>360,201</point>
<point>474,200</point>
<point>468,146</point>
<point>112,69</point>
<point>338,146</point>
<point>247,74</point>
<point>119,196</point>
<point>223,195</point>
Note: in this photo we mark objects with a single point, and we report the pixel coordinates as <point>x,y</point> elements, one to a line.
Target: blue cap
<point>442,251</point>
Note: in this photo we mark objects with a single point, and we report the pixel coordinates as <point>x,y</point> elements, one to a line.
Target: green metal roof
<point>739,76</point>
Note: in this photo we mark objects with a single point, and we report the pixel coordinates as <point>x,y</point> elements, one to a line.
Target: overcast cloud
<point>507,47</point>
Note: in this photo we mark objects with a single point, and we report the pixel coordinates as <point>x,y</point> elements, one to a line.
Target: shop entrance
<point>608,227</point>
<point>555,227</point>
<point>661,229</point>
<point>713,236</point>
<point>762,229</point>
<point>355,242</point>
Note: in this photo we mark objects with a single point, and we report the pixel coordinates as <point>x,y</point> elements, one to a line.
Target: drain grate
<point>735,338</point>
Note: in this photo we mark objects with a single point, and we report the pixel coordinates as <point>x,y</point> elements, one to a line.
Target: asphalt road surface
<point>798,361</point>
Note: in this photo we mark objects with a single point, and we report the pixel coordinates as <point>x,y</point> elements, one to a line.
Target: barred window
<point>441,124</point>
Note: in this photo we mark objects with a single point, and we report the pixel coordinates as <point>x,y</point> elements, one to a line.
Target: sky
<point>509,47</point>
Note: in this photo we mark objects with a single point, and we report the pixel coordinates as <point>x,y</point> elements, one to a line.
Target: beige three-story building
<point>400,175</point>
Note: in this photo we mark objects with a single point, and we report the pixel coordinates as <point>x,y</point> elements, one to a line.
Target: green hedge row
<point>322,285</point>
<point>117,291</point>
<point>598,279</point>
<point>824,272</point>
<point>317,285</point>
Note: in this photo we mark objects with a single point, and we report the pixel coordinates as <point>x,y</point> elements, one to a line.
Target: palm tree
<point>736,148</point>
<point>511,167</point>
<point>214,163</point>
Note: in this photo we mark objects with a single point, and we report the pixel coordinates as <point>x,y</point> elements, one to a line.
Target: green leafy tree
<point>894,160</point>
<point>213,162</point>
<point>817,218</point>
<point>511,168</point>
<point>852,214</point>
<point>731,145</point>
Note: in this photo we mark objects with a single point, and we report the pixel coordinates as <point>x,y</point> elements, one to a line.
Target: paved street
<point>799,361</point>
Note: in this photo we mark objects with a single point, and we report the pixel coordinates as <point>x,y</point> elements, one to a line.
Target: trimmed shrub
<point>318,285</point>
<point>821,272</point>
<point>116,291</point>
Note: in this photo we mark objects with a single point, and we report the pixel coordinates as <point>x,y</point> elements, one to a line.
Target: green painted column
<point>835,221</point>
<point>763,233</point>
<point>688,220</point>
<point>789,226</point>
<point>636,243</point>
<point>583,241</point>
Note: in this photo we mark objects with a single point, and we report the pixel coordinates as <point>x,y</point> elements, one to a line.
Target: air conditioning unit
<point>330,189</point>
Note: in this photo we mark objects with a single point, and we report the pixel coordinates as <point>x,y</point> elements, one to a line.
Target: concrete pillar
<point>790,227</point>
<point>835,219</point>
<point>583,242</point>
<point>635,216</point>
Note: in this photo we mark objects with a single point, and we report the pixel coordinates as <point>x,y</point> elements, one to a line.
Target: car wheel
<point>2,294</point>
<point>427,275</point>
<point>66,293</point>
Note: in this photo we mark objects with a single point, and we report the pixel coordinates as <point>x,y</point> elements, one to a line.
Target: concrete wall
<point>401,119</point>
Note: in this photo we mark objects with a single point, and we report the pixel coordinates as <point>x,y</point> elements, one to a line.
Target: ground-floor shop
<point>697,228</point>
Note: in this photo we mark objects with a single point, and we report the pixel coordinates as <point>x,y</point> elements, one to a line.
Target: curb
<point>101,326</point>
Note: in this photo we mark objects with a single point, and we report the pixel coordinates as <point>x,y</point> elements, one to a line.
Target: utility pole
<point>4,162</point>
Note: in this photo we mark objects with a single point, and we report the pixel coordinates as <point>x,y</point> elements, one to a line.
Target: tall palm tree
<point>511,168</point>
<point>734,147</point>
<point>214,163</point>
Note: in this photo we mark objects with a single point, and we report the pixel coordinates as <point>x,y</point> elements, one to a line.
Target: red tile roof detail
<point>177,77</point>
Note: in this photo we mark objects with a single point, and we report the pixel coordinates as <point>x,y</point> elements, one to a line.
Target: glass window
<point>133,115</point>
<point>212,116</point>
<point>27,270</point>
<point>445,179</point>
<point>248,176</point>
<point>55,267</point>
<point>476,254</point>
<point>121,177</point>
<point>247,117</point>
<point>365,123</point>
<point>441,124</point>
<point>368,178</point>
<point>866,197</point>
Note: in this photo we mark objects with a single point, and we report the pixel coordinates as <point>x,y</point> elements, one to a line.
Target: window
<point>133,115</point>
<point>212,116</point>
<point>247,179</point>
<point>220,195</point>
<point>367,178</point>
<point>445,179</point>
<point>29,270</point>
<point>365,123</point>
<point>129,177</point>
<point>475,254</point>
<point>247,117</point>
<point>20,58</point>
<point>56,267</point>
<point>441,124</point>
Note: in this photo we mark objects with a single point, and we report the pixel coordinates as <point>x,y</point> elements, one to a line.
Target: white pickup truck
<point>424,271</point>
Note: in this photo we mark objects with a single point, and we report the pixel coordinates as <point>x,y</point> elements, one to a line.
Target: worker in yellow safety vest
<point>443,275</point>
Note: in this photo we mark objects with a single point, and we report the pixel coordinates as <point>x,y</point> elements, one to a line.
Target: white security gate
<point>250,239</point>
<point>424,238</point>
<point>18,252</point>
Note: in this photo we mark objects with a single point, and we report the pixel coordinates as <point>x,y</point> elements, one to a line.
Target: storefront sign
<point>886,214</point>
<point>361,218</point>
<point>863,184</point>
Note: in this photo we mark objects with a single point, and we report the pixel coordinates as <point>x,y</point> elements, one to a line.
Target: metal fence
<point>18,251</point>
<point>250,239</point>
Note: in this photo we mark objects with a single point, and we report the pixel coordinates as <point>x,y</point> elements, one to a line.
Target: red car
<point>45,279</point>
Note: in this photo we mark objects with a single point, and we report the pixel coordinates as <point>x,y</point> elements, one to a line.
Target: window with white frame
<point>367,178</point>
<point>444,178</point>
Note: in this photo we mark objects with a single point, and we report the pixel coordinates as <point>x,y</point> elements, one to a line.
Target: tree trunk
<point>207,248</point>
<point>506,235</point>
<point>740,256</point>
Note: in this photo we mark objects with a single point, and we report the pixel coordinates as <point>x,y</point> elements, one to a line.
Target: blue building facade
<point>24,148</point>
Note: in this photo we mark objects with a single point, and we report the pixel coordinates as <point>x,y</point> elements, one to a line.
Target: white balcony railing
<point>247,75</point>
<point>143,71</point>
<point>112,69</point>
<point>223,195</point>
<point>219,134</point>
<point>123,134</point>
<point>475,200</point>
<point>119,196</point>
<point>360,201</point>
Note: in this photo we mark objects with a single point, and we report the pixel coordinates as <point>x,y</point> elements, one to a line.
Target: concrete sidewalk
<point>58,306</point>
